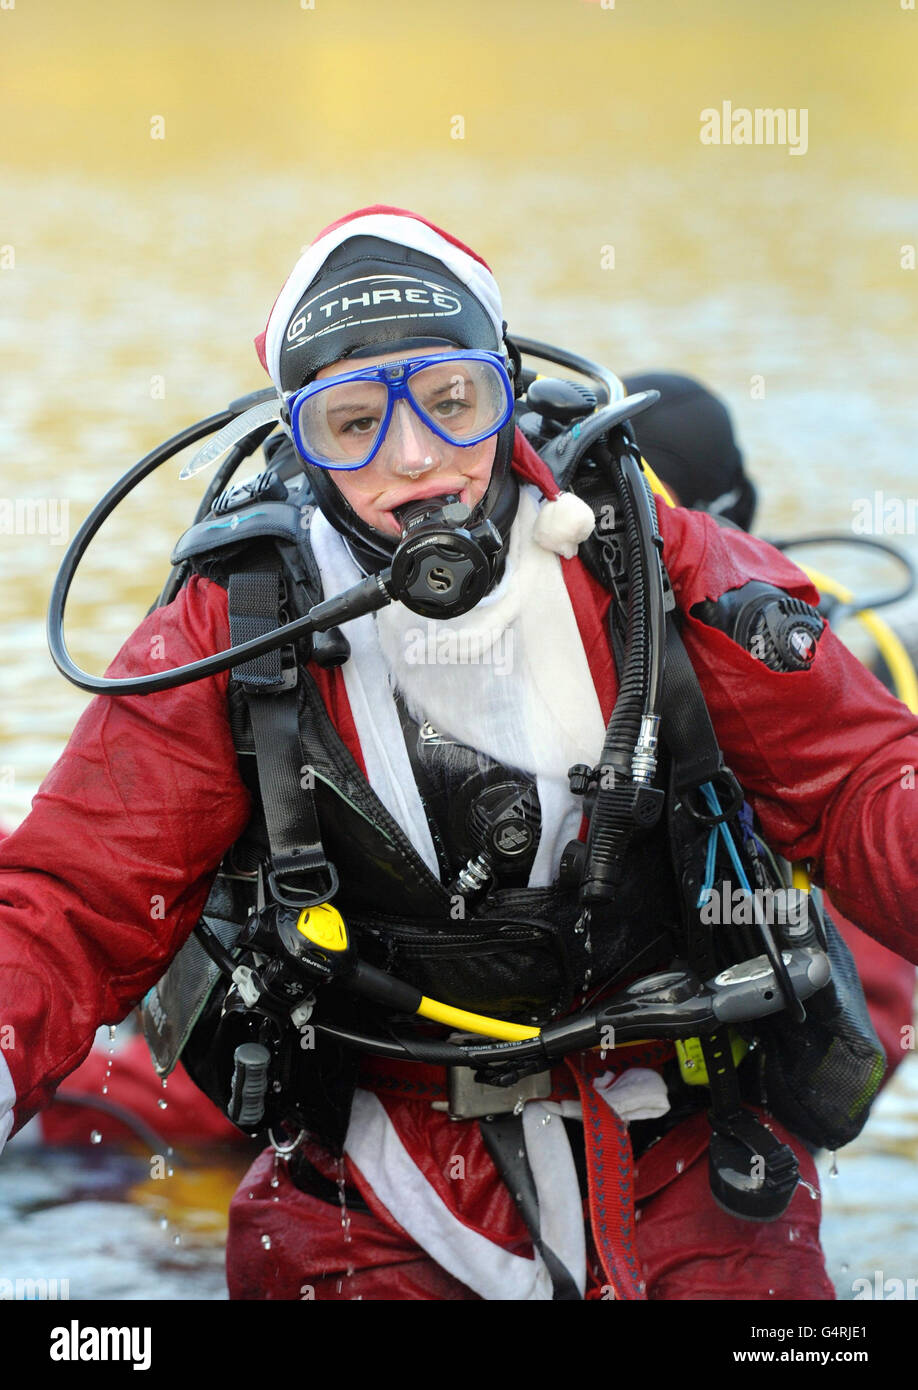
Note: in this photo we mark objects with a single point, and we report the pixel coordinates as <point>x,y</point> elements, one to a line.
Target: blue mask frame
<point>395,376</point>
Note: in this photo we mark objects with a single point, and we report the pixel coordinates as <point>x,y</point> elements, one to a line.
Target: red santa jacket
<point>102,883</point>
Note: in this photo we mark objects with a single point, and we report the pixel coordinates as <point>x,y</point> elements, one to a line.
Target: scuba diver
<point>459,814</point>
<point>689,441</point>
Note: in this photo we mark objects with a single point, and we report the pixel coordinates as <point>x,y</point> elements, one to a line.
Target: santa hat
<point>388,224</point>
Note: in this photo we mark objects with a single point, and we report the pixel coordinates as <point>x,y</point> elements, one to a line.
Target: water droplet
<point>105,1090</point>
<point>546,1119</point>
<point>602,1054</point>
<point>163,1223</point>
<point>518,1108</point>
<point>642,1286</point>
<point>521,1153</point>
<point>833,1171</point>
<point>792,1234</point>
<point>338,1286</point>
<point>275,1181</point>
<point>266,1242</point>
<point>170,1172</point>
<point>112,1030</point>
<point>771,1293</point>
<point>680,1165</point>
<point>162,1104</point>
<point>165,1079</point>
<point>251,1195</point>
<point>95,1137</point>
<point>176,1240</point>
<point>845,1268</point>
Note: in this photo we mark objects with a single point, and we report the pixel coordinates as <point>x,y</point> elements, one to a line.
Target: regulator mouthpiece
<point>442,567</point>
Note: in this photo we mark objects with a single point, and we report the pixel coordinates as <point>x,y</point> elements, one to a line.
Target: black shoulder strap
<point>300,874</point>
<point>686,724</point>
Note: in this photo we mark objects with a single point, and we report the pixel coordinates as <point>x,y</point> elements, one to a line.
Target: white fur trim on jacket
<point>563,524</point>
<point>374,1146</point>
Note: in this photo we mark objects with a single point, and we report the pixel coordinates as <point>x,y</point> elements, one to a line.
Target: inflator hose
<point>612,824</point>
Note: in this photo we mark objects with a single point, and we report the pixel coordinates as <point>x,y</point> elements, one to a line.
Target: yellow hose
<point>474,1023</point>
<point>800,879</point>
<point>655,485</point>
<point>888,643</point>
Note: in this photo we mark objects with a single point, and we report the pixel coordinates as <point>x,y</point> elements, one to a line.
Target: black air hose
<point>625,721</point>
<point>612,823</point>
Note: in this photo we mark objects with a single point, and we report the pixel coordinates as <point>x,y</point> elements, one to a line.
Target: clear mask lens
<point>462,399</point>
<point>340,425</point>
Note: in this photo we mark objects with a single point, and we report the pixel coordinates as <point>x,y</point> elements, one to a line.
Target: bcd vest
<point>520,953</point>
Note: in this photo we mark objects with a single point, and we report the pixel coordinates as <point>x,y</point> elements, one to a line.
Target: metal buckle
<point>722,780</point>
<point>471,1100</point>
<point>301,897</point>
<point>288,678</point>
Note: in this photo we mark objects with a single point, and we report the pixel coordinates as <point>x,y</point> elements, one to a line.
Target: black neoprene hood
<point>373,295</point>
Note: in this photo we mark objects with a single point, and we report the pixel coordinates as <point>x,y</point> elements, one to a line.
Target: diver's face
<point>412,462</point>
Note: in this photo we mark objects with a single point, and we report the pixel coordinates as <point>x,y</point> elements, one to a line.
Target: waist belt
<point>421,1081</point>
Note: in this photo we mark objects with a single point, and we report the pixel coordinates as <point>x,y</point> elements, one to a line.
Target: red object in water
<point>132,1084</point>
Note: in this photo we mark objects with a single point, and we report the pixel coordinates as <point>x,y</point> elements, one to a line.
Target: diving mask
<point>340,422</point>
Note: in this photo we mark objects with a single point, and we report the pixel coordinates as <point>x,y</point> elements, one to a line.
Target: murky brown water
<point>136,270</point>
